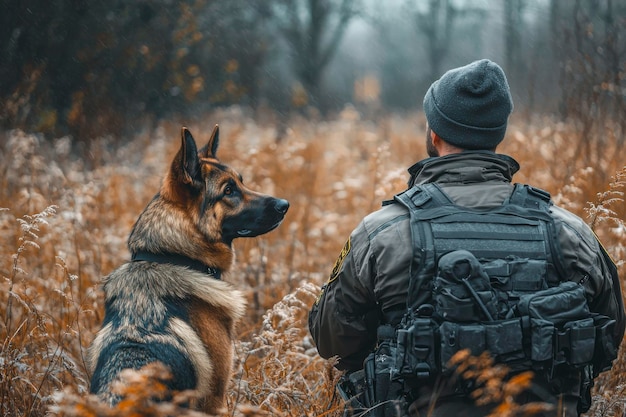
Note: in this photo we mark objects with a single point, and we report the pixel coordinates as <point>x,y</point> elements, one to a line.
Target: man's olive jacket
<point>368,284</point>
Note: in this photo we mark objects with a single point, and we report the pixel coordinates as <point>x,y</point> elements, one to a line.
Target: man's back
<point>467,111</point>
<point>370,286</point>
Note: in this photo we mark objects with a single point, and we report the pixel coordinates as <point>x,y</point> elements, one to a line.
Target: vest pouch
<point>383,368</point>
<point>605,349</point>
<point>553,309</point>
<point>517,274</point>
<point>577,341</point>
<point>505,340</point>
<point>461,290</point>
<point>558,305</point>
<point>452,307</point>
<point>457,336</point>
<point>416,354</point>
<point>541,340</point>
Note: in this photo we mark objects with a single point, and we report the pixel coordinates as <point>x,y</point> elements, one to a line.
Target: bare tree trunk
<point>436,24</point>
<point>513,40</point>
<point>313,30</point>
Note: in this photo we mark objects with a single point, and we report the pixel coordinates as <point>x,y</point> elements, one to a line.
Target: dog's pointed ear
<point>188,161</point>
<point>210,149</point>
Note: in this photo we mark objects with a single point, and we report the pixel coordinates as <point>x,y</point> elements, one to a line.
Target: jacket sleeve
<point>344,318</point>
<point>590,265</point>
<point>615,297</point>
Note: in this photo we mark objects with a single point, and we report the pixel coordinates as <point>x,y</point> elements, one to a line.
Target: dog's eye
<point>230,189</point>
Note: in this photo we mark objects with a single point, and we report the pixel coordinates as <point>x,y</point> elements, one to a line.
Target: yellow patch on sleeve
<point>336,268</point>
<point>339,262</point>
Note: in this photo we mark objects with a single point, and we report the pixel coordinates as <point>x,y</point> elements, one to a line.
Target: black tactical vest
<point>486,280</point>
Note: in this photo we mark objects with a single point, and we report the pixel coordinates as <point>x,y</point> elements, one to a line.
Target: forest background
<point>319,102</point>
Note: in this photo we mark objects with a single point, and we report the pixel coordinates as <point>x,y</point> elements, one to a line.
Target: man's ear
<point>433,136</point>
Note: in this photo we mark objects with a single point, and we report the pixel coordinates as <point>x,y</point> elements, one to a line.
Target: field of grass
<point>64,223</point>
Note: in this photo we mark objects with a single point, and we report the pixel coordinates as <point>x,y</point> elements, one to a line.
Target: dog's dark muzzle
<point>265,215</point>
<point>280,207</point>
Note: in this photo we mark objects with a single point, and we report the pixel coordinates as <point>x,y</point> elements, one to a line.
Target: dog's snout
<point>281,206</point>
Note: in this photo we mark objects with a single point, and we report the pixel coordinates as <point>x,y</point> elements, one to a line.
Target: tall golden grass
<point>64,225</point>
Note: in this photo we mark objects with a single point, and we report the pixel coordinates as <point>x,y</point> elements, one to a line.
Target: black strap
<point>180,260</point>
<point>530,197</point>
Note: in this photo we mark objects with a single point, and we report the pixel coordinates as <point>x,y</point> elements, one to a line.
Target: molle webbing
<point>490,237</point>
<point>521,227</point>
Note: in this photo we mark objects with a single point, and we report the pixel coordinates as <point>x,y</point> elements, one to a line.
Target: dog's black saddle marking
<point>180,260</point>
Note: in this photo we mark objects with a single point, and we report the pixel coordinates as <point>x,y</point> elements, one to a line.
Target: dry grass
<point>494,385</point>
<point>64,226</point>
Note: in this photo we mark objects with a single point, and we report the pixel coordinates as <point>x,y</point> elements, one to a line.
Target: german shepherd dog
<point>169,304</point>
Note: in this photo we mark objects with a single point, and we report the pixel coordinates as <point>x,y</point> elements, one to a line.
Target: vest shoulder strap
<point>530,197</point>
<point>423,196</point>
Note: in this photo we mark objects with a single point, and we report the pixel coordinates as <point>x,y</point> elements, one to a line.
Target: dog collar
<point>180,260</point>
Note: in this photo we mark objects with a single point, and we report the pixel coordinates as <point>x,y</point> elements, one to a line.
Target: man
<point>467,111</point>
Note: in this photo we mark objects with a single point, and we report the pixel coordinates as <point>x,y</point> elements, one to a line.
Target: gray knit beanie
<point>469,106</point>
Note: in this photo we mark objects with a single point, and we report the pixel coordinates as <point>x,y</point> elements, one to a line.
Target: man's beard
<point>430,148</point>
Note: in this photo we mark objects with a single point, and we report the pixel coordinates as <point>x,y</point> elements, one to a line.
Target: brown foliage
<point>494,385</point>
<point>64,226</point>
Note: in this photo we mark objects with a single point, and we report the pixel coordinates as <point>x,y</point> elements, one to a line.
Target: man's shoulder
<point>391,213</point>
<point>573,228</point>
<point>568,218</point>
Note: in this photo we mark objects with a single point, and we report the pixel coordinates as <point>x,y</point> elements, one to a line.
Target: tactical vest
<point>486,280</point>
